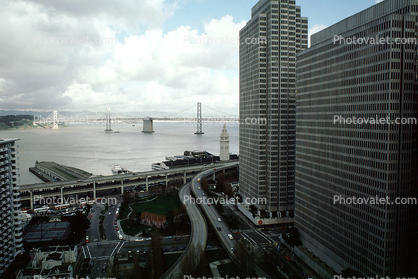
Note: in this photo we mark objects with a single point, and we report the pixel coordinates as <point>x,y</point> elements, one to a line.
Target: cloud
<point>313,30</point>
<point>69,56</point>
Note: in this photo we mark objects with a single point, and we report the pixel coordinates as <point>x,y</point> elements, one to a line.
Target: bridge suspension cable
<point>183,110</point>
<point>223,113</point>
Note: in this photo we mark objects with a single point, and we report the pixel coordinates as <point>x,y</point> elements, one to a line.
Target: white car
<point>230,236</point>
<point>219,219</point>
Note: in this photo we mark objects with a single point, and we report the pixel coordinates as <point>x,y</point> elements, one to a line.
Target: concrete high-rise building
<point>11,227</point>
<point>357,72</point>
<point>267,56</point>
<point>224,145</point>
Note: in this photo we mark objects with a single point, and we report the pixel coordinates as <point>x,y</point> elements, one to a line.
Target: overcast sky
<point>132,55</point>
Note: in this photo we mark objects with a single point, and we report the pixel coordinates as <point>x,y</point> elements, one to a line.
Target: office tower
<point>350,75</point>
<point>224,145</point>
<point>10,228</point>
<point>267,56</point>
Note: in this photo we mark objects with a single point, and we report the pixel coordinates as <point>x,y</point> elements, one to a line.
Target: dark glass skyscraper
<point>268,46</point>
<point>356,72</point>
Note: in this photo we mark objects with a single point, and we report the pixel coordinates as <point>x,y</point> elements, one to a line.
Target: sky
<point>138,57</point>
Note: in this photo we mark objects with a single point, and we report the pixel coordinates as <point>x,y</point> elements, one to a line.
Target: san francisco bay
<point>89,148</point>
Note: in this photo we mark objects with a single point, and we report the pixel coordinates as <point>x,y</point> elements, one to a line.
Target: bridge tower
<point>55,120</point>
<point>108,121</point>
<point>199,119</point>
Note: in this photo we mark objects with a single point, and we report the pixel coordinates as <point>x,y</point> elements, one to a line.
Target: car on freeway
<point>232,250</point>
<point>98,244</point>
<point>219,219</point>
<point>208,204</point>
<point>230,236</point>
<point>110,213</point>
<point>203,194</point>
<point>198,188</point>
<point>198,180</point>
<point>218,228</point>
<point>286,257</point>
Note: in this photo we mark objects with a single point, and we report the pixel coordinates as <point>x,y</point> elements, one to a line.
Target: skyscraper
<point>10,228</point>
<point>358,72</point>
<point>267,56</point>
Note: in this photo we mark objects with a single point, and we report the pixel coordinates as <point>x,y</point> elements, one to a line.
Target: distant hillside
<point>9,122</point>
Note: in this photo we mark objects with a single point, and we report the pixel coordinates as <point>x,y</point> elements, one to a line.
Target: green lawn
<point>131,228</point>
<point>161,205</point>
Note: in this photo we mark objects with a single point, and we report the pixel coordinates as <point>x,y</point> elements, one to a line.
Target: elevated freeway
<point>94,184</point>
<point>199,228</point>
<point>215,219</point>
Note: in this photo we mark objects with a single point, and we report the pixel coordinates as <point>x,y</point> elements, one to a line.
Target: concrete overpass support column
<point>121,187</point>
<point>184,178</point>
<point>94,190</point>
<point>146,183</point>
<point>166,180</point>
<point>62,194</point>
<point>214,176</point>
<point>31,199</point>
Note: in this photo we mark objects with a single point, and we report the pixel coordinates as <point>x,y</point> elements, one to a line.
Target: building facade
<point>352,77</point>
<point>11,226</point>
<point>267,56</point>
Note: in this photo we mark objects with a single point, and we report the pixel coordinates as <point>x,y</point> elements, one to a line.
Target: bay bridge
<point>56,118</point>
<point>92,185</point>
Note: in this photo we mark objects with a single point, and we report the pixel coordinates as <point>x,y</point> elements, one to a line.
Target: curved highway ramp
<point>197,244</point>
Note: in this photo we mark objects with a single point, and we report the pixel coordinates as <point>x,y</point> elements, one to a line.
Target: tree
<point>228,190</point>
<point>220,182</point>
<point>253,210</point>
<point>79,224</point>
<point>138,218</point>
<point>169,219</point>
<point>158,259</point>
<point>39,219</point>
